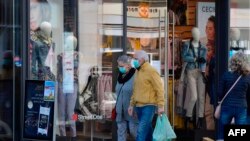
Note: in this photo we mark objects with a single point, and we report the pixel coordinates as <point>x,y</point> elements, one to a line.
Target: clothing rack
<point>102,70</point>
<point>105,70</point>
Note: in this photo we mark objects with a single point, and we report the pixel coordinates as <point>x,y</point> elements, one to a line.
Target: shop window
<point>72,44</point>
<point>239,33</point>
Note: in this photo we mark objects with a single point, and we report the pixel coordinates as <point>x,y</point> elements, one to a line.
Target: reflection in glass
<point>239,34</point>
<point>41,47</point>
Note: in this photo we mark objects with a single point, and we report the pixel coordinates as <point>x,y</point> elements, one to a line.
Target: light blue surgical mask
<point>136,63</point>
<point>122,70</point>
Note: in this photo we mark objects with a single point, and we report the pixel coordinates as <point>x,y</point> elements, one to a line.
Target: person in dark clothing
<point>235,104</point>
<point>211,73</point>
<point>124,90</point>
<point>248,109</point>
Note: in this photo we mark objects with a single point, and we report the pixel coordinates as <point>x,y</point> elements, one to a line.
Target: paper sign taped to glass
<point>43,121</point>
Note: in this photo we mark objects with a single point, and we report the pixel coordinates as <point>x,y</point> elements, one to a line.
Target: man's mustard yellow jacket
<point>148,87</point>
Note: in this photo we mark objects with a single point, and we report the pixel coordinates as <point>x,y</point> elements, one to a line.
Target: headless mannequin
<point>68,86</point>
<point>195,76</point>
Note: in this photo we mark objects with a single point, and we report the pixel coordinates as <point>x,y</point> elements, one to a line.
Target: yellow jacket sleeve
<point>158,88</point>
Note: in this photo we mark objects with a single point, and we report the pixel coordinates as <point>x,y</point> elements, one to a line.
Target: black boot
<point>187,121</point>
<point>199,123</point>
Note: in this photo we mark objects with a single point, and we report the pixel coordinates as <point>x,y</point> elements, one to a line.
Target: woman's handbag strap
<point>230,89</point>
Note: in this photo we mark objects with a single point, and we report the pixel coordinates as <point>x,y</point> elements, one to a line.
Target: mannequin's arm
<point>34,56</point>
<point>186,55</point>
<point>204,53</point>
<point>203,59</point>
<point>59,68</point>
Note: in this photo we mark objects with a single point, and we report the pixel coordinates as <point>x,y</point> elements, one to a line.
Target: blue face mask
<point>122,70</point>
<point>136,63</point>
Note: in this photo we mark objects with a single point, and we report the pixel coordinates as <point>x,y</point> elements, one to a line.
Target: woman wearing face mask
<point>124,89</point>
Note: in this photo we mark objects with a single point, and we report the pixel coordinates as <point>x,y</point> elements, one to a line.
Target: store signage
<point>141,11</point>
<point>142,19</point>
<point>82,118</point>
<point>204,11</point>
<point>208,9</point>
<point>38,116</point>
<point>144,11</point>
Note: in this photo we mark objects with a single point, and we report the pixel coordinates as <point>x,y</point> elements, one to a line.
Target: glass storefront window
<point>76,44</point>
<point>146,27</point>
<point>239,35</point>
<point>9,52</point>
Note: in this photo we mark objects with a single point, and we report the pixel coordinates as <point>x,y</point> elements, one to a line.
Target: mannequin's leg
<point>61,110</point>
<point>71,101</point>
<point>201,99</point>
<point>193,92</point>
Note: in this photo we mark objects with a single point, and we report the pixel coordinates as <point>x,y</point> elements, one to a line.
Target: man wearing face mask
<point>148,94</point>
<point>124,89</point>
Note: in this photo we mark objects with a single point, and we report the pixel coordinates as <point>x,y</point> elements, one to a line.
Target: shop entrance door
<point>150,27</point>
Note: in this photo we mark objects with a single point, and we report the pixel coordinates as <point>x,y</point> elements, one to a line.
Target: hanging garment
<point>88,98</point>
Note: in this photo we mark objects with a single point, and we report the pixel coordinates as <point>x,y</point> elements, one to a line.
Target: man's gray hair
<point>141,54</point>
<point>124,59</point>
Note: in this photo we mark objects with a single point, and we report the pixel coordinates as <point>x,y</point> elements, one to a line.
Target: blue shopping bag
<point>163,130</point>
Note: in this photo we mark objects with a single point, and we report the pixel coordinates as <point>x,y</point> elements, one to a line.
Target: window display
<point>239,28</point>
<point>194,53</point>
<point>41,44</point>
<point>76,44</point>
<point>67,76</point>
<point>65,47</point>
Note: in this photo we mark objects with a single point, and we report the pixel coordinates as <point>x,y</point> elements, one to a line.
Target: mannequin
<point>42,46</point>
<point>194,54</point>
<point>235,43</point>
<point>67,86</point>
